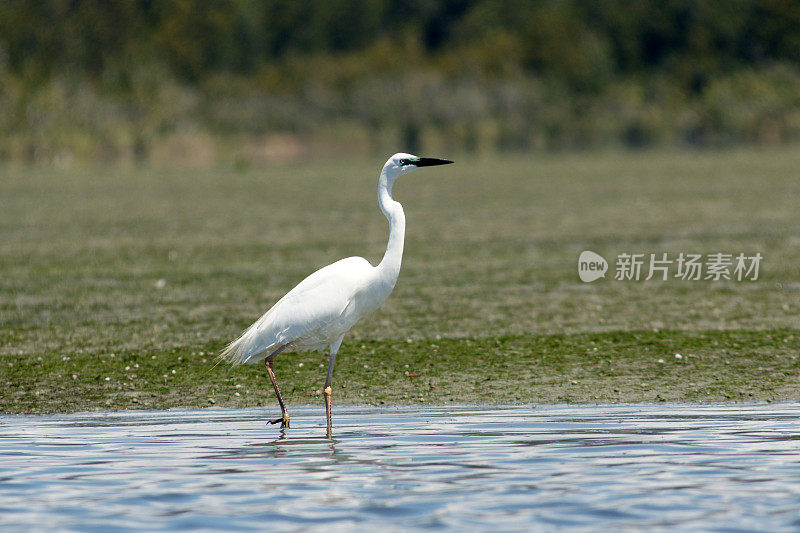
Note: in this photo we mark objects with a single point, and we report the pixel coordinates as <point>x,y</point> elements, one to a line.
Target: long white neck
<point>389,267</point>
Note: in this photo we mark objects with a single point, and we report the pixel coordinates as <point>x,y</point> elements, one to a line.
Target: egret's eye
<point>404,162</point>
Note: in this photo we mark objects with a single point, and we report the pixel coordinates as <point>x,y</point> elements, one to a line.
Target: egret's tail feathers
<point>230,354</point>
<point>241,350</point>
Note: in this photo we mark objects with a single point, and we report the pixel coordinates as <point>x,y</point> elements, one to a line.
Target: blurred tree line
<point>110,79</point>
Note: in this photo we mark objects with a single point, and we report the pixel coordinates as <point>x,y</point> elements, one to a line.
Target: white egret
<point>322,308</point>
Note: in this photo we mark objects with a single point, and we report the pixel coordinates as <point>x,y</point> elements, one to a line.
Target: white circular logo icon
<point>591,266</point>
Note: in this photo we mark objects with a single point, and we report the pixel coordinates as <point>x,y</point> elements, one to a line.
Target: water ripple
<point>714,467</point>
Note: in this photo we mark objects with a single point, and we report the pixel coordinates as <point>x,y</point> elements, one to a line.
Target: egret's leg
<point>284,413</point>
<point>327,390</point>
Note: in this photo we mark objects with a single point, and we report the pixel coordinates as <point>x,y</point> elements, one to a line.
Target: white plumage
<point>322,308</point>
<point>315,313</point>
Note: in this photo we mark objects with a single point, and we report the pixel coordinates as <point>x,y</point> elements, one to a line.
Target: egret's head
<point>402,163</point>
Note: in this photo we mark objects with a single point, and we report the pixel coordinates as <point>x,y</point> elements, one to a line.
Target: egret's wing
<point>303,316</point>
<point>302,313</point>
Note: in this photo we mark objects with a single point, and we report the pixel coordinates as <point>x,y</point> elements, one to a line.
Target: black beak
<point>430,162</point>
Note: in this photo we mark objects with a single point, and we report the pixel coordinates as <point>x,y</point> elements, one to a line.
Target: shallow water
<point>721,467</point>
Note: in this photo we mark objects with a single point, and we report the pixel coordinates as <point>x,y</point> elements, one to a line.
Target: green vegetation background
<point>120,283</point>
<point>264,80</point>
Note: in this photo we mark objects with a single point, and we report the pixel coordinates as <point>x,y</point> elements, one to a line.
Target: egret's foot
<point>284,422</point>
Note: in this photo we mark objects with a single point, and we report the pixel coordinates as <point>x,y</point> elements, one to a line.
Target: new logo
<point>591,266</point>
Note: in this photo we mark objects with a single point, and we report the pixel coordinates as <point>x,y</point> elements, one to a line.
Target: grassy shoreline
<point>103,268</point>
<point>613,367</point>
